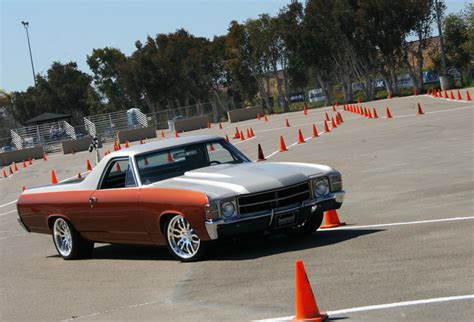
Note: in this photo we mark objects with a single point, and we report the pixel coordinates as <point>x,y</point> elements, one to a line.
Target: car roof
<point>163,144</point>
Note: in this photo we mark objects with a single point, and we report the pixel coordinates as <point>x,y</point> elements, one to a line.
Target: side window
<point>118,175</point>
<point>218,154</point>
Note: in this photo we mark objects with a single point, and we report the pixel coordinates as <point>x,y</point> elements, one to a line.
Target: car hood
<point>226,180</point>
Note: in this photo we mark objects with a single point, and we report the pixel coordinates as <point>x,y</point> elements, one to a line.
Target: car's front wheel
<point>183,243</point>
<point>68,242</point>
<point>309,226</point>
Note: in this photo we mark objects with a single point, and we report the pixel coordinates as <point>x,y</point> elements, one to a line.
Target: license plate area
<point>286,219</point>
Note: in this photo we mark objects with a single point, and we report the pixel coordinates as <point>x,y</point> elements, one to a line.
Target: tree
<point>456,36</point>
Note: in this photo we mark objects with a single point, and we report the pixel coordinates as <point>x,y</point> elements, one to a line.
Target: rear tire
<point>307,227</point>
<point>182,242</point>
<point>68,242</point>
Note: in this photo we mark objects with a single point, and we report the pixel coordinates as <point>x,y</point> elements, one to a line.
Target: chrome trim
<point>272,200</point>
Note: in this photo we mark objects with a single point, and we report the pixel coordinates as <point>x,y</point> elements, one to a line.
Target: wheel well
<point>54,217</point>
<point>164,219</point>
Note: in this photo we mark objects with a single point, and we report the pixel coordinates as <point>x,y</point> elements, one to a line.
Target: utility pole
<point>440,31</point>
<point>26,24</point>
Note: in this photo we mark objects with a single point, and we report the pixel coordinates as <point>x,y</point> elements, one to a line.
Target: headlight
<point>227,209</point>
<point>320,187</point>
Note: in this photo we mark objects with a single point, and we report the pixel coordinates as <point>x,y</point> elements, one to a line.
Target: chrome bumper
<point>338,197</point>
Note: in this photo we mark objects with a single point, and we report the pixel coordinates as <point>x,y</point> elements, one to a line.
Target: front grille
<point>273,199</point>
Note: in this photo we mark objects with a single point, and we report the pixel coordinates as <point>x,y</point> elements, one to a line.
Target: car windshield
<point>173,162</point>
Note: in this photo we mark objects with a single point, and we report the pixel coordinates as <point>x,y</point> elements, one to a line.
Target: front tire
<point>182,242</point>
<point>309,226</point>
<point>68,242</point>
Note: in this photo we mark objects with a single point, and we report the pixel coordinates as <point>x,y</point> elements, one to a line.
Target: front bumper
<point>273,220</point>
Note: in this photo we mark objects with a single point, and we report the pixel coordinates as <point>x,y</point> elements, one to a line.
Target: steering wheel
<point>214,162</point>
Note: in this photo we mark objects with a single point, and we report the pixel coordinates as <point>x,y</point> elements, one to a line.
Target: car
<point>7,148</point>
<point>184,193</point>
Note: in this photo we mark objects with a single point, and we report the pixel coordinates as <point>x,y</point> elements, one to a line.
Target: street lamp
<point>26,24</point>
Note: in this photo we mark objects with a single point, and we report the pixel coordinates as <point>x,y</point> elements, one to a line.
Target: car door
<point>115,214</point>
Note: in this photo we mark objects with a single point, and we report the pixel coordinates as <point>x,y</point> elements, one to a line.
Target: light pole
<point>26,24</point>
<point>438,9</point>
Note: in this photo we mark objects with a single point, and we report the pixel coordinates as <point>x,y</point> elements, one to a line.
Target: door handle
<point>92,201</point>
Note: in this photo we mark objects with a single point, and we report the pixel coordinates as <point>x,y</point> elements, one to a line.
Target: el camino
<point>183,193</point>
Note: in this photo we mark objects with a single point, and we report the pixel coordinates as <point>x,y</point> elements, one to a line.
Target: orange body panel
<point>129,215</point>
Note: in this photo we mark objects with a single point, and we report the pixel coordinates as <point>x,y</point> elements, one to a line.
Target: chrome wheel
<point>62,237</point>
<point>182,239</point>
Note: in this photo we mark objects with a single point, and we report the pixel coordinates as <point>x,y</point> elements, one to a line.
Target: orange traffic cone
<point>24,164</point>
<point>11,171</point>
<point>79,175</point>
<point>420,111</point>
<point>23,188</point>
<point>451,95</point>
<point>331,219</point>
<point>248,133</point>
<point>211,147</point>
<point>44,156</point>
<point>369,113</point>
<point>119,168</point>
<point>283,147</point>
<point>126,145</point>
<point>265,118</point>
<point>340,117</point>
<point>261,157</point>
<point>54,180</point>
<point>333,124</point>
<point>141,141</point>
<point>326,127</point>
<point>162,134</point>
<point>287,124</point>
<point>30,162</point>
<point>358,99</point>
<point>242,137</point>
<point>315,131</point>
<point>468,96</point>
<point>300,137</point>
<point>170,158</point>
<point>227,138</point>
<point>15,168</point>
<point>389,115</point>
<point>305,110</point>
<point>208,124</point>
<point>258,116</point>
<point>176,134</point>
<point>306,307</point>
<point>251,132</point>
<point>338,121</point>
<point>459,95</point>
<point>220,125</point>
<point>375,114</point>
<point>237,134</point>
<point>334,108</point>
<point>446,94</point>
<point>327,117</point>
<point>5,174</point>
<point>88,165</point>
<point>415,91</point>
<point>389,95</point>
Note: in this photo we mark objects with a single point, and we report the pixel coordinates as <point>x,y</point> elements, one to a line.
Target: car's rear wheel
<point>309,226</point>
<point>183,243</point>
<point>68,242</point>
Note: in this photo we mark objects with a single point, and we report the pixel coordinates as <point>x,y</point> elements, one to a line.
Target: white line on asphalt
<point>401,223</point>
<point>385,306</point>
<point>435,112</point>
<point>8,212</point>
<point>8,203</point>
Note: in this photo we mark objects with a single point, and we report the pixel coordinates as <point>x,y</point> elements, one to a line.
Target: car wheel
<point>309,226</point>
<point>68,242</point>
<point>183,243</point>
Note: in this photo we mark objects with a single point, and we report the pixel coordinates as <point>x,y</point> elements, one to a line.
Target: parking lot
<point>409,237</point>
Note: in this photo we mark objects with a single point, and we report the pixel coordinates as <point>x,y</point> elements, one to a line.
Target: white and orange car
<point>182,193</point>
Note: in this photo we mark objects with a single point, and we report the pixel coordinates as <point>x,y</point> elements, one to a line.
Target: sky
<point>68,30</point>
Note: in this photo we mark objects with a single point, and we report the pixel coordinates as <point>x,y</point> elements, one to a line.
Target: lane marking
<point>401,223</point>
<point>8,203</point>
<point>385,306</point>
<point>8,212</point>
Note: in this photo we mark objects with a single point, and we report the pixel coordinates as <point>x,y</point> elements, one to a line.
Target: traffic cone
<point>265,118</point>
<point>145,160</point>
<point>5,174</point>
<point>369,113</point>
<point>248,133</point>
<point>126,145</point>
<point>258,116</point>
<point>227,138</point>
<point>141,141</point>
<point>170,158</point>
<point>327,117</point>
<point>220,125</point>
<point>300,137</point>
<point>242,137</point>
<point>211,147</point>
<point>23,188</point>
<point>88,165</point>
<point>30,162</point>
<point>24,164</point>
<point>338,122</point>
<point>375,114</point>
<point>15,168</point>
<point>340,117</point>
<point>306,307</point>
<point>176,134</point>
<point>389,95</point>
<point>305,110</point>
<point>468,96</point>
<point>326,127</point>
<point>287,124</point>
<point>451,95</point>
<point>119,147</point>
<point>162,134</point>
<point>315,131</point>
<point>415,91</point>
<point>261,157</point>
<point>54,180</point>
<point>251,132</point>
<point>333,124</point>
<point>208,124</point>
<point>446,94</point>
<point>283,147</point>
<point>358,99</point>
<point>459,95</point>
<point>237,134</point>
<point>119,169</point>
<point>389,115</point>
<point>420,111</point>
<point>331,219</point>
<point>334,108</point>
<point>44,156</point>
<point>79,175</point>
